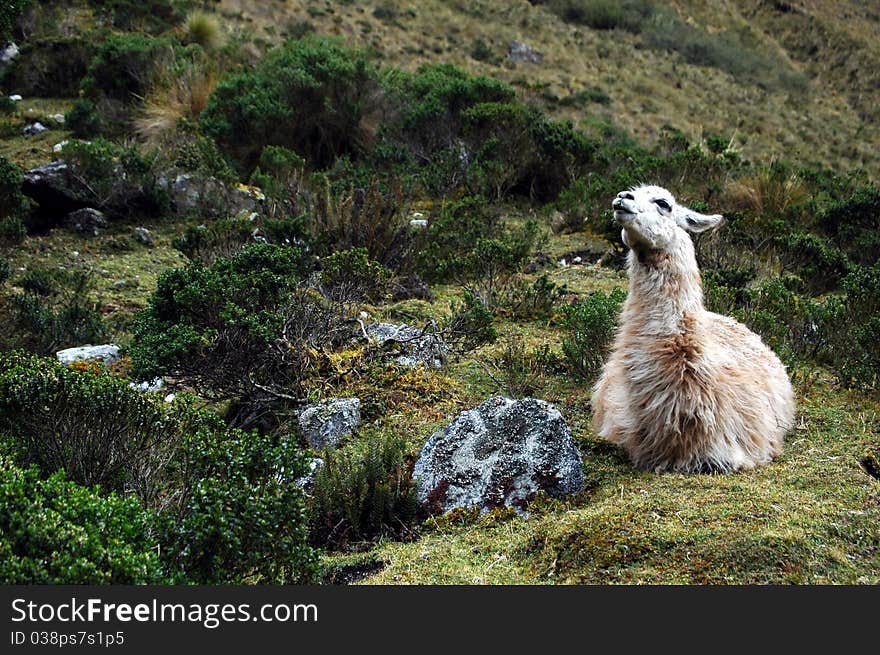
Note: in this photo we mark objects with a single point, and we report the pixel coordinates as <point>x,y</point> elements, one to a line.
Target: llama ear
<point>693,221</point>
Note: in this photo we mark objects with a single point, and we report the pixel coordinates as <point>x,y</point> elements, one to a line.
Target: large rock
<point>55,186</point>
<point>208,196</point>
<point>326,423</point>
<point>500,454</point>
<point>8,54</point>
<point>108,354</point>
<point>86,221</point>
<point>408,345</point>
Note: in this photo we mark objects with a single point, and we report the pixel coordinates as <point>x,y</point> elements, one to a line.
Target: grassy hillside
<point>829,52</point>
<point>766,112</point>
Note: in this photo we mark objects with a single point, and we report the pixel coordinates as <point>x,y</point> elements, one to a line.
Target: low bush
<point>13,204</point>
<point>315,86</point>
<point>53,531</point>
<point>630,15</point>
<point>352,274</point>
<point>233,513</point>
<point>589,330</point>
<point>51,67</point>
<point>853,223</point>
<point>56,312</point>
<point>362,492</point>
<point>820,265</point>
<point>93,426</point>
<point>151,16</point>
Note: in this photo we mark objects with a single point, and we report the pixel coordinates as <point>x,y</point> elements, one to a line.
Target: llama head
<point>653,220</point>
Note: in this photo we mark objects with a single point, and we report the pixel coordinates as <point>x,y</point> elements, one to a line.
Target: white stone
<point>107,353</point>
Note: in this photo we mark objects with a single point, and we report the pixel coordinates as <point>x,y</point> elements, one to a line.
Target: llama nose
<point>626,195</point>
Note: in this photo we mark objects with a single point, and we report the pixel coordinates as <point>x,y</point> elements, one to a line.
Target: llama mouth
<point>623,215</point>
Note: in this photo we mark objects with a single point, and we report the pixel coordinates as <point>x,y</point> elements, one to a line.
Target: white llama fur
<point>684,389</point>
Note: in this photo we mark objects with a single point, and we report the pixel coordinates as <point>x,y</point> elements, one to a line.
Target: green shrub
<point>854,224</point>
<point>242,328</point>
<point>316,87</point>
<point>451,235</point>
<point>516,371</point>
<point>235,515</point>
<point>5,270</point>
<point>13,204</point>
<point>93,426</point>
<point>362,492</point>
<point>51,67</point>
<point>352,274</point>
<point>59,315</point>
<point>820,265</point>
<point>56,532</point>
<point>83,119</point>
<point>224,238</point>
<point>589,330</point>
<point>471,324</point>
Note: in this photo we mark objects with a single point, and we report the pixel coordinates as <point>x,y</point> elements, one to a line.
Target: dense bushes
<point>235,515</point>
<point>56,532</point>
<point>319,90</point>
<point>12,204</point>
<point>216,326</point>
<point>218,501</point>
<point>52,67</point>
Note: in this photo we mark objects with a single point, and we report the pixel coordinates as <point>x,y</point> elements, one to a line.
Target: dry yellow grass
<point>176,98</point>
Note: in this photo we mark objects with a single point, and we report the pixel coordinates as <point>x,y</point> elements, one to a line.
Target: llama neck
<point>664,289</point>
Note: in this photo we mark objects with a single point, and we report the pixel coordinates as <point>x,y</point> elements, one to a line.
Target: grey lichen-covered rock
<point>326,423</point>
<point>8,54</point>
<point>148,386</point>
<point>54,186</point>
<point>107,353</point>
<point>500,454</point>
<point>86,221</point>
<point>408,345</point>
<point>34,128</point>
<point>518,52</point>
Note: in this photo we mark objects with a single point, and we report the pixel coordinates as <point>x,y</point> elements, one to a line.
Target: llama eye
<point>662,204</point>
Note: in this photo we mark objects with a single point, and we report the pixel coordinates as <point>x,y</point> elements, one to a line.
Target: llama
<point>684,389</point>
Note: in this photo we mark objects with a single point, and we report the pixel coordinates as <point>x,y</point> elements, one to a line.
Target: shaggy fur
<point>684,389</point>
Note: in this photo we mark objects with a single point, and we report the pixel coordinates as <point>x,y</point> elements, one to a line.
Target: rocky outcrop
<point>500,454</point>
<point>325,424</point>
<point>520,52</point>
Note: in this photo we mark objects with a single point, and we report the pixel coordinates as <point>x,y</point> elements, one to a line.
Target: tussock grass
<point>205,29</point>
<point>175,98</point>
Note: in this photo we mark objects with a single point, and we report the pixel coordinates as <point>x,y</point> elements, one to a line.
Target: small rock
<point>119,284</point>
<point>577,260</point>
<point>325,424</point>
<point>170,398</point>
<point>308,480</point>
<point>500,454</point>
<point>142,235</point>
<point>148,386</point>
<point>557,222</point>
<point>34,128</point>
<point>418,222</point>
<point>107,353</point>
<point>7,54</point>
<point>58,147</point>
<point>518,51</point>
<point>58,118</point>
<point>86,221</point>
<point>563,263</point>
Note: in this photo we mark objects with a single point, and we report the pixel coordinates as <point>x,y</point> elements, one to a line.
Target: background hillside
<point>793,80</point>
<point>265,210</point>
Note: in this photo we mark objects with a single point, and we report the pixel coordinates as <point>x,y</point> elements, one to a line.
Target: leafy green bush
<point>351,273</point>
<point>316,87</point>
<point>93,426</point>
<point>5,270</point>
<point>590,326</point>
<point>60,314</point>
<point>234,514</point>
<point>51,67</point>
<point>223,238</point>
<point>820,265</point>
<point>56,532</point>
<point>362,492</point>
<point>247,329</point>
<point>83,119</point>
<point>471,324</point>
<point>451,235</point>
<point>854,224</point>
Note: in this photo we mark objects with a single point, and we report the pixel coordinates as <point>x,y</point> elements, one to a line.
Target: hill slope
<point>821,107</point>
